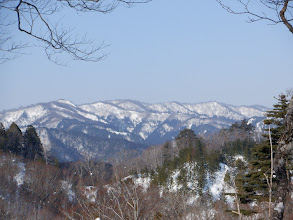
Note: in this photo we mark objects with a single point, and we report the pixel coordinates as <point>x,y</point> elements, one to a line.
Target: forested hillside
<point>233,173</point>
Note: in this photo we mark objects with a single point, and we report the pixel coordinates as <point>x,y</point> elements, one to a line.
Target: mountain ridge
<point>257,106</point>
<point>125,123</point>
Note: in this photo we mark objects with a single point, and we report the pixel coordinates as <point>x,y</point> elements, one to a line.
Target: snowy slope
<point>128,116</point>
<point>133,121</point>
<point>146,119</point>
<point>46,114</point>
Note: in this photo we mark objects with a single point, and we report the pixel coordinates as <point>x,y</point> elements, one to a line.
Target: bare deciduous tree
<point>270,179</point>
<point>40,20</point>
<point>273,11</point>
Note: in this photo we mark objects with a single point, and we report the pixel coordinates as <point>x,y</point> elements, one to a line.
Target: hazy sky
<point>166,50</point>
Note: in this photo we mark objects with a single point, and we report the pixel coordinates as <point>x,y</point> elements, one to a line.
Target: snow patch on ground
<point>167,127</point>
<point>173,185</point>
<point>43,134</point>
<point>89,116</point>
<point>144,182</point>
<point>216,187</point>
<point>19,178</point>
<point>142,135</point>
<point>240,157</point>
<point>67,187</point>
<point>90,192</point>
<point>191,200</point>
<point>279,207</point>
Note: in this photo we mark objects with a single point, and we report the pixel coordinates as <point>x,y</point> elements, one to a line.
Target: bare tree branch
<point>36,19</point>
<point>273,11</point>
<point>282,15</point>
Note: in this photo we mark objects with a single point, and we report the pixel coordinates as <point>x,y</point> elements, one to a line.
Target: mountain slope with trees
<point>73,131</point>
<point>191,177</point>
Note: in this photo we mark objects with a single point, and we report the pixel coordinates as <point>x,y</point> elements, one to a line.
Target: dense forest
<point>231,174</point>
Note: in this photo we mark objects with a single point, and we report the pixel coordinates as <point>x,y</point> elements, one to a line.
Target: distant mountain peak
<point>66,102</point>
<point>126,120</point>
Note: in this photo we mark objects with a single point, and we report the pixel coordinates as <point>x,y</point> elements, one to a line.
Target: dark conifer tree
<point>32,145</point>
<point>166,154</point>
<point>3,137</point>
<point>14,139</point>
<point>193,149</point>
<point>276,118</point>
<point>186,134</point>
<point>255,183</point>
<point>243,125</point>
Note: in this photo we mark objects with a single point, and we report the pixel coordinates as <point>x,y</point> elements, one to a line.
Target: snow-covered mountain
<point>108,127</point>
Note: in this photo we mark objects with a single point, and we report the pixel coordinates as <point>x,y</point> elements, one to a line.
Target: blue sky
<point>186,51</point>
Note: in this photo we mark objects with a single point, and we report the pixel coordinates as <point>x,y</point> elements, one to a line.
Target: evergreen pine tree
<point>193,150</point>
<point>276,118</point>
<point>255,183</point>
<point>14,139</point>
<point>187,135</point>
<point>166,154</point>
<point>283,166</point>
<point>32,145</point>
<point>190,149</point>
<point>3,137</point>
<point>243,125</point>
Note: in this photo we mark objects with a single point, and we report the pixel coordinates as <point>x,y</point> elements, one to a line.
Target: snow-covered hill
<point>131,124</point>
